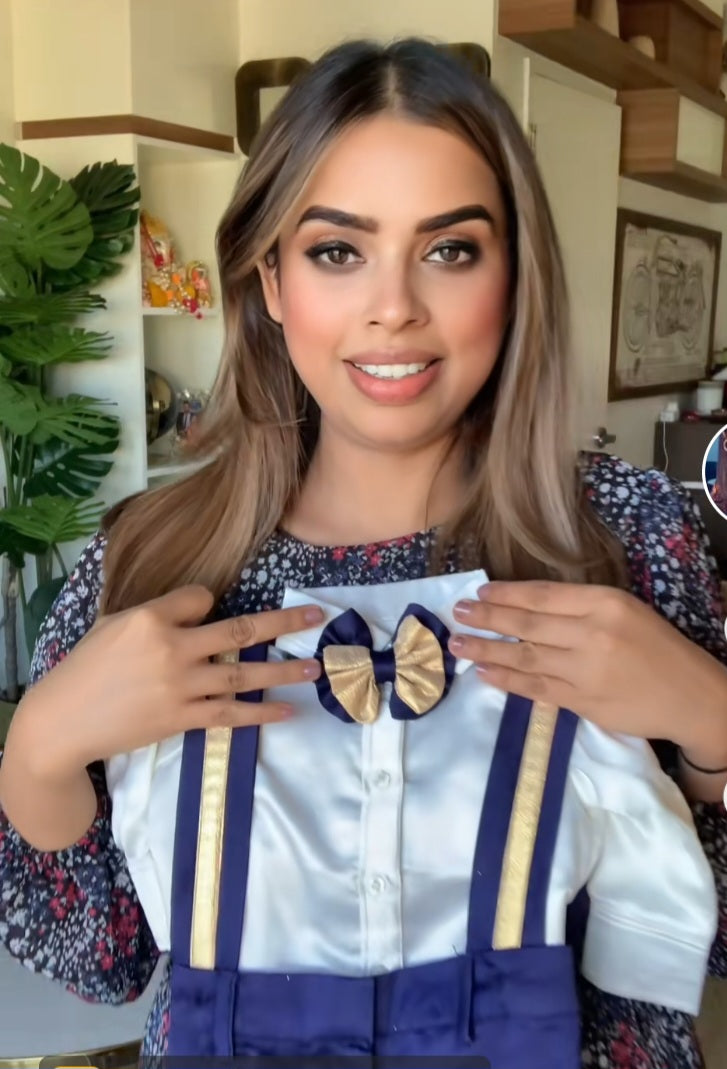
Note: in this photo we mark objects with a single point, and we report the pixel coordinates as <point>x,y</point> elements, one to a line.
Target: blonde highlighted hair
<point>524,514</point>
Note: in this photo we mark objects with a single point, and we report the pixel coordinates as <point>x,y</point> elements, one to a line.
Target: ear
<point>270,280</point>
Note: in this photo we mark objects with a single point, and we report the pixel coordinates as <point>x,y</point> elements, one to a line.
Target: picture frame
<point>664,304</point>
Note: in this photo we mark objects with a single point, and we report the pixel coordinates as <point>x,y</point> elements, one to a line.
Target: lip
<point>394,391</point>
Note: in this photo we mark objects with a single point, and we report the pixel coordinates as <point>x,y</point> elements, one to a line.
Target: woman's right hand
<point>142,675</point>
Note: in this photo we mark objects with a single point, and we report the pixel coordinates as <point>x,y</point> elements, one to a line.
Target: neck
<point>353,495</point>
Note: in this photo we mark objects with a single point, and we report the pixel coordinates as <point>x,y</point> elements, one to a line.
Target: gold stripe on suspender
<point>209,848</point>
<point>522,832</point>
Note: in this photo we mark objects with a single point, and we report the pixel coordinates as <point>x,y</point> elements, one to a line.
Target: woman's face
<point>392,282</point>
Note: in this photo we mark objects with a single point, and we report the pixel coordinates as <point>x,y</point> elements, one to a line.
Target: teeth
<point>391,371</point>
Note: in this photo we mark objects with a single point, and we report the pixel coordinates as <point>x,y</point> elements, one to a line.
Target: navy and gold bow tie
<point>417,663</point>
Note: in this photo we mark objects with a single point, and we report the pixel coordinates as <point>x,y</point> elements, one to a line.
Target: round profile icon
<point>714,472</point>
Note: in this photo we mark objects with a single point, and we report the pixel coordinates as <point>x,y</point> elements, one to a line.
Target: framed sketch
<point>664,301</point>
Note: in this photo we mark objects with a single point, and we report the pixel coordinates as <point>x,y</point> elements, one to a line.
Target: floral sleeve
<point>73,915</point>
<point>672,569</point>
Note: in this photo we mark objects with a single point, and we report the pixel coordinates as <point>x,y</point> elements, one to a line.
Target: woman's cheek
<point>312,314</point>
<point>478,316</point>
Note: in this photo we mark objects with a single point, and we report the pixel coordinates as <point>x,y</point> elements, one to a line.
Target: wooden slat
<point>94,125</point>
<point>687,180</point>
<point>649,130</point>
<point>523,16</point>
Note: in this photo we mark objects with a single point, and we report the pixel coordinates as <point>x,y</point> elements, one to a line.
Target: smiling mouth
<point>394,371</point>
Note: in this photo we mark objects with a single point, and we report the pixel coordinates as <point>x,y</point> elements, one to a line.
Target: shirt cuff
<point>647,966</point>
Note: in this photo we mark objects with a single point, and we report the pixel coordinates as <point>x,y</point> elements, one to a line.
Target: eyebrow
<point>370,226</point>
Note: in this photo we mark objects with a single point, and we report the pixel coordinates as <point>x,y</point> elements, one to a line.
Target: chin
<point>398,432</point>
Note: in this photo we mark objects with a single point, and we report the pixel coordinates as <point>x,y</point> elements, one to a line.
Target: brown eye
<point>337,255</point>
<point>333,254</point>
<point>456,253</point>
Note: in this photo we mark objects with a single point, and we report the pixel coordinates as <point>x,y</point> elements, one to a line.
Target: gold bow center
<point>420,676</point>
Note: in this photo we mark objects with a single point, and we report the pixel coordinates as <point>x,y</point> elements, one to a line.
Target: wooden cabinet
<point>670,142</point>
<point>687,36</point>
<point>673,116</point>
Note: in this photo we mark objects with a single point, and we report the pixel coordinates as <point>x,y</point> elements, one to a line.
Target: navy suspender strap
<point>234,834</point>
<point>519,825</point>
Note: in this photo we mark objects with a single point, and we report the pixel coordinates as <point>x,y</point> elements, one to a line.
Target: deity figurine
<point>199,277</point>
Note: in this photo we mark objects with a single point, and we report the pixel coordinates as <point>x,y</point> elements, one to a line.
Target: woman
<point>395,362</point>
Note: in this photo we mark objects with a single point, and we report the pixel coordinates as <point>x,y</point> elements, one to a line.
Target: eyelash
<point>317,252</point>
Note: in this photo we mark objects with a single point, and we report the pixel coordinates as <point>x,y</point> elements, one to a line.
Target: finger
<point>216,680</point>
<point>540,595</point>
<point>544,628</point>
<point>239,632</point>
<point>218,713</point>
<point>524,657</point>
<point>539,688</point>
<point>186,605</point>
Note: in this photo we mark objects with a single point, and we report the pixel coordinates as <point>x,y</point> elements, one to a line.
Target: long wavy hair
<point>524,513</point>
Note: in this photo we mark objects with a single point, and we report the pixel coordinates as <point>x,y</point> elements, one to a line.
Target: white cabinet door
<point>577,144</point>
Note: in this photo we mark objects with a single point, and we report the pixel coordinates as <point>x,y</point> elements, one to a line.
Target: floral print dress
<point>74,916</point>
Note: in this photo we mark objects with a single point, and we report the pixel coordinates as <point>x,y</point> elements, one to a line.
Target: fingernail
<point>456,643</point>
<point>464,608</point>
<point>483,591</point>
<point>483,669</point>
<point>312,670</point>
<point>313,616</point>
<point>286,711</point>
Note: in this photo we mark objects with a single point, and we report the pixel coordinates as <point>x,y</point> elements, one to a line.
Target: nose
<point>395,301</point>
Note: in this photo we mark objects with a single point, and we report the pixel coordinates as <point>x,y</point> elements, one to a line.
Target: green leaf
<point>49,520</point>
<point>73,419</point>
<point>15,545</point>
<point>19,407</point>
<point>109,192</point>
<point>62,469</point>
<point>15,280</point>
<point>47,308</point>
<point>42,220</point>
<point>42,346</point>
<point>105,188</point>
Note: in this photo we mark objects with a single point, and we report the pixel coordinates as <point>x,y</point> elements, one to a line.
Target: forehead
<point>393,168</point>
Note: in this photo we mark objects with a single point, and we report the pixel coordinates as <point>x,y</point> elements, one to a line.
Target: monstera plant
<point>58,240</point>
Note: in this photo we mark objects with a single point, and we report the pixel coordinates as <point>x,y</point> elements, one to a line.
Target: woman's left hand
<point>603,654</point>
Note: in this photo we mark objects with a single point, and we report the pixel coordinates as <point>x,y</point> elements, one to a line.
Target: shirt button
<point>381,779</point>
<point>377,884</point>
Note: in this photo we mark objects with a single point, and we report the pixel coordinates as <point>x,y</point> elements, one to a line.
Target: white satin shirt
<point>363,836</point>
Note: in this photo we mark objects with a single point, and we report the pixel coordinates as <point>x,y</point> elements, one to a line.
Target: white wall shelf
<point>173,313</point>
<point>187,188</point>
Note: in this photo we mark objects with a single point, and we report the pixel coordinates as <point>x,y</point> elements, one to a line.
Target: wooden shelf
<point>650,142</point>
<point>687,180</point>
<point>553,28</point>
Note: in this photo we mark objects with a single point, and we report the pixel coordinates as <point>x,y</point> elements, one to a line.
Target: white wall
<point>7,102</point>
<point>71,58</point>
<point>306,27</point>
<point>184,55</point>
